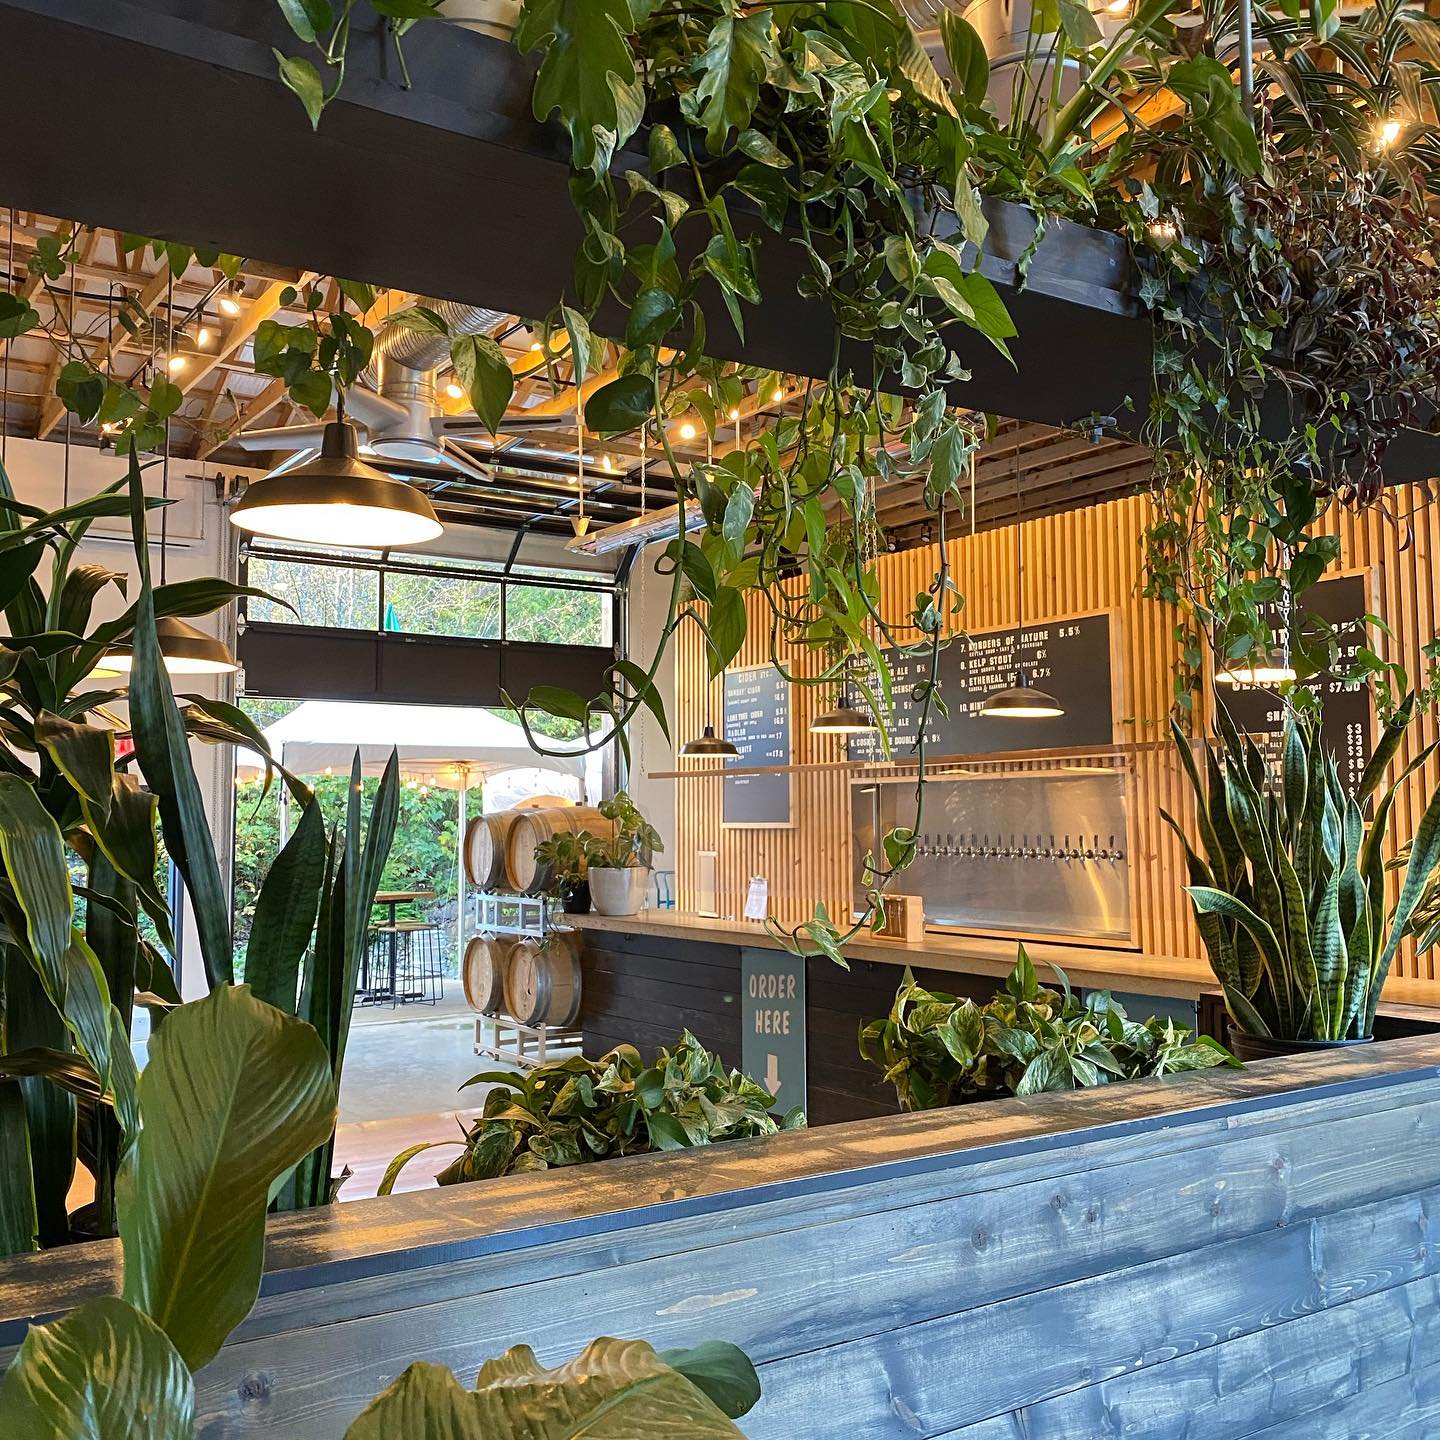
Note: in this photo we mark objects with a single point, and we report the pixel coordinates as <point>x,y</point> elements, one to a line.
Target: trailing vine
<point>1297,310</point>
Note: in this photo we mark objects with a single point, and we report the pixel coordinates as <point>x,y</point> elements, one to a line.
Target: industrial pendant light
<point>1257,672</point>
<point>184,650</point>
<point>842,718</point>
<point>708,743</point>
<point>337,499</point>
<point>1022,700</point>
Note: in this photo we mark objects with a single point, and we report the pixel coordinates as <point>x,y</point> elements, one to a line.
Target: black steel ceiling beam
<point>452,188</point>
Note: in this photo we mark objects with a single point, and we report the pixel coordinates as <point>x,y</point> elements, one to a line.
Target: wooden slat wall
<point>1079,561</point>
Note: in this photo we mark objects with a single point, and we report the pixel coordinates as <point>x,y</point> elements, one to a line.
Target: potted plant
<point>939,1050</point>
<point>576,1111</point>
<point>619,868</point>
<point>1289,883</point>
<point>567,856</point>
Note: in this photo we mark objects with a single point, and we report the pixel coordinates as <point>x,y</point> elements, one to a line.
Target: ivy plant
<point>938,1050</point>
<point>578,1110</point>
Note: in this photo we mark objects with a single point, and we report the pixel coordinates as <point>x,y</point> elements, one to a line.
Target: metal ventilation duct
<point>404,369</point>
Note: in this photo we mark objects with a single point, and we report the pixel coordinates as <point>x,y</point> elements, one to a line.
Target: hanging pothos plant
<point>1297,311</point>
<point>830,124</point>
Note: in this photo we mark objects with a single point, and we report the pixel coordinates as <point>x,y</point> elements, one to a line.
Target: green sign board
<point>772,1018</point>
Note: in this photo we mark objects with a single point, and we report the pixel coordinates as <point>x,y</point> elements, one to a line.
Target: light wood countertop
<point>1090,967</point>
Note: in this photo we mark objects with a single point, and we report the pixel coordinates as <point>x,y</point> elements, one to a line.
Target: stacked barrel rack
<point>521,973</point>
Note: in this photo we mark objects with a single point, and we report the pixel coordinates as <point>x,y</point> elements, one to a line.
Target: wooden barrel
<point>542,981</point>
<point>483,973</point>
<point>542,802</point>
<point>530,827</point>
<point>485,848</point>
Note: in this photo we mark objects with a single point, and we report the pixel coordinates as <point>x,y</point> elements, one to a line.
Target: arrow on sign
<point>772,1074</point>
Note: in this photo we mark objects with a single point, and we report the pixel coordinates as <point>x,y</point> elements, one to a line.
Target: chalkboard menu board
<point>1347,718</point>
<point>1068,658</point>
<point>757,723</point>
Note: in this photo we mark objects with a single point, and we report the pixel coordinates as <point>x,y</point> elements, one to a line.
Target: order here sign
<point>772,1016</point>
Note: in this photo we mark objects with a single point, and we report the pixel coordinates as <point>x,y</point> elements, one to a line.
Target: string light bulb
<point>1163,232</point>
<point>687,431</point>
<point>454,391</point>
<point>176,364</point>
<point>1388,132</point>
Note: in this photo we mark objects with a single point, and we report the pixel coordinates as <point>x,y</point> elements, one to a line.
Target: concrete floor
<point>401,1085</point>
<point>410,1060</point>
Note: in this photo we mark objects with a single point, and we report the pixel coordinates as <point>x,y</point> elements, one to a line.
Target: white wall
<point>648,606</point>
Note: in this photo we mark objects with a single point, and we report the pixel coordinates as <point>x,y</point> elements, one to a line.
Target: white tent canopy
<point>443,746</point>
<point>438,742</point>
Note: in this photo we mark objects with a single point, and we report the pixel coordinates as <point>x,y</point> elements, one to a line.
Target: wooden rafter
<point>256,407</point>
<point>53,408</point>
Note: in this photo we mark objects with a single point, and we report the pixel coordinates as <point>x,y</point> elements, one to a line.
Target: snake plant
<point>1289,880</point>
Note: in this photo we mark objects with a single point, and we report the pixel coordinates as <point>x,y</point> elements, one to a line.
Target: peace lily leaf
<point>613,1388</point>
<point>723,1371</point>
<point>234,1094</point>
<point>966,52</point>
<point>102,1372</point>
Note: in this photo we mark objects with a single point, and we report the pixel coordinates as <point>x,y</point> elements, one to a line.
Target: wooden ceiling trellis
<point>531,466</point>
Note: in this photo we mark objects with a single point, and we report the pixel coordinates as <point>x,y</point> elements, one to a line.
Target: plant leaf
<point>485,375</point>
<point>234,1094</point>
<point>516,1398</point>
<point>103,1372</point>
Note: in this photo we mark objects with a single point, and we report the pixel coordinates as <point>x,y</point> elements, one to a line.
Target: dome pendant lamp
<point>843,718</point>
<point>184,650</point>
<point>1022,700</point>
<point>708,743</point>
<point>337,499</point>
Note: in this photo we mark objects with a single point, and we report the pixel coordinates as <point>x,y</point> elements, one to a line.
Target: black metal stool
<point>419,978</point>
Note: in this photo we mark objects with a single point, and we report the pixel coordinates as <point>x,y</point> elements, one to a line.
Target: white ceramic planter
<point>493,17</point>
<point>618,892</point>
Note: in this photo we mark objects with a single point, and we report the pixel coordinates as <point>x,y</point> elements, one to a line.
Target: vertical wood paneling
<point>1078,561</point>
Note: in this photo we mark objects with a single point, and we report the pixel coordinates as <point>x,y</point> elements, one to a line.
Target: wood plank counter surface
<point>1089,967</point>
<point>1231,1254</point>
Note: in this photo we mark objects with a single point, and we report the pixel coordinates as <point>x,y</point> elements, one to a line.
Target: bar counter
<point>646,977</point>
<point>1223,1255</point>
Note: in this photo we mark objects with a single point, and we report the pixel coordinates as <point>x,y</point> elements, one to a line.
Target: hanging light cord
<point>165,453</point>
<point>580,451</point>
<point>5,380</point>
<point>69,414</point>
<point>644,461</point>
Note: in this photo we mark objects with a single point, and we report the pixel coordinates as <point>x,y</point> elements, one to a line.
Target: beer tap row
<point>986,847</point>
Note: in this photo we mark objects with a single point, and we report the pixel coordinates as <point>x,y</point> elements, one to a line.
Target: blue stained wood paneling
<point>1214,1258</point>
